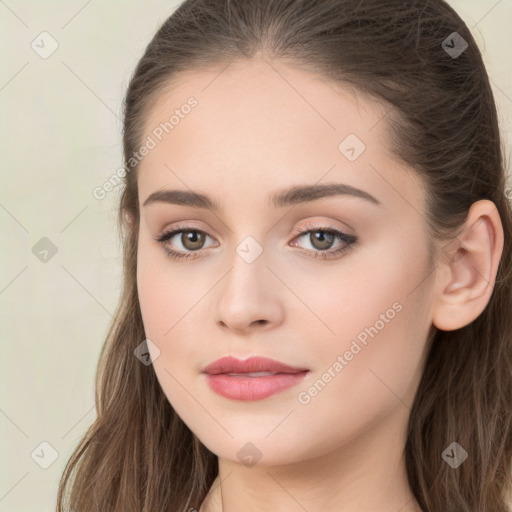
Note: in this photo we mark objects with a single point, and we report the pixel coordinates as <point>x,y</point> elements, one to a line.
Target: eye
<point>191,239</point>
<point>320,237</point>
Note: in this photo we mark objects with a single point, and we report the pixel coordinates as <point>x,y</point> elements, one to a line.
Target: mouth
<point>252,366</point>
<point>252,374</point>
<point>251,379</point>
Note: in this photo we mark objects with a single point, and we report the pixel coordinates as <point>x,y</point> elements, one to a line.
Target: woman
<point>317,287</point>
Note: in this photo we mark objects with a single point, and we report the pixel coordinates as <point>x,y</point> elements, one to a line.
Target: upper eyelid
<point>309,227</point>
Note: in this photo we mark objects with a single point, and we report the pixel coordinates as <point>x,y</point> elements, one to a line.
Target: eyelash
<point>350,240</point>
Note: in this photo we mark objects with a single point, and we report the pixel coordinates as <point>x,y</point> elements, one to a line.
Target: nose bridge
<point>247,296</point>
<point>246,278</point>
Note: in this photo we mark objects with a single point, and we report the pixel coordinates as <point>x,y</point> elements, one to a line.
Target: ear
<point>129,220</point>
<point>467,267</point>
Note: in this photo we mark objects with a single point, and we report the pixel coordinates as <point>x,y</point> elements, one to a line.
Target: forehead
<point>261,125</point>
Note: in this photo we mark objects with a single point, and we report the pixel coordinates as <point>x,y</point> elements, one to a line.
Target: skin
<point>262,126</point>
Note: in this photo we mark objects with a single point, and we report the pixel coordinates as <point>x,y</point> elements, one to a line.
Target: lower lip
<point>252,388</point>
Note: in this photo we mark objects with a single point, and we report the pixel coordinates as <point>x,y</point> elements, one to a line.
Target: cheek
<point>360,384</point>
<point>172,301</point>
<point>165,303</point>
<point>151,284</point>
<point>165,292</point>
<point>377,287</point>
<point>380,314</point>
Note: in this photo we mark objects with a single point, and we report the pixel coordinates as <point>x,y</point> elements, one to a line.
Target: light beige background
<point>60,137</point>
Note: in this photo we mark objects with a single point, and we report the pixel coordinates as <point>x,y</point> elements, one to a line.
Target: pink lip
<point>251,388</point>
<point>252,364</point>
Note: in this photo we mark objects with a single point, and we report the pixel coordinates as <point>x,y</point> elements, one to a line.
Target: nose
<point>249,297</point>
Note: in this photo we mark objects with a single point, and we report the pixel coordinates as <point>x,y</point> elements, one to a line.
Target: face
<point>337,285</point>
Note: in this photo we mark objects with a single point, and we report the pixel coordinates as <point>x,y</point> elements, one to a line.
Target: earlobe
<point>467,267</point>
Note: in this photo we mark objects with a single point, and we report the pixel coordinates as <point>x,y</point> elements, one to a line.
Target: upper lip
<point>252,364</point>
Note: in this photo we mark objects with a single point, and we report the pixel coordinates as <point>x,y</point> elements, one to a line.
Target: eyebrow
<point>279,199</point>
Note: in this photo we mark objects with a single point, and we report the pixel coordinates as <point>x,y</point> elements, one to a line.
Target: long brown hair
<point>138,455</point>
